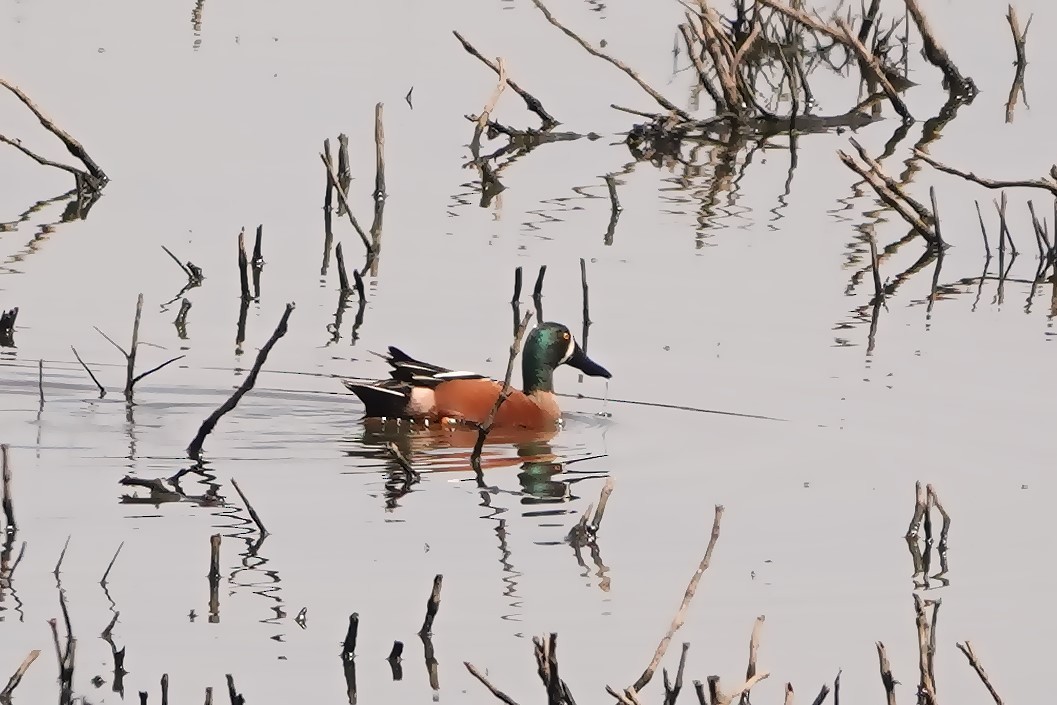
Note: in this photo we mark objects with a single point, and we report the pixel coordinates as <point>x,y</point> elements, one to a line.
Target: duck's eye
<point>565,335</point>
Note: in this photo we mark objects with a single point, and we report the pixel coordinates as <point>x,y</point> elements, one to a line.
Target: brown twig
<point>194,274</point>
<point>895,199</point>
<point>110,567</point>
<point>921,506</point>
<point>680,615</point>
<point>97,178</point>
<point>1048,184</point>
<point>537,293</point>
<point>486,114</point>
<point>937,55</point>
<point>7,500</point>
<point>249,509</point>
<point>875,266</point>
<point>214,578</point>
<point>194,450</point>
<point>983,229</point>
<point>754,649</point>
<point>870,62</point>
<point>887,679</point>
<point>379,153</point>
<point>967,649</point>
<point>344,202</point>
<point>131,378</point>
<point>432,606</point>
<point>927,684</point>
<point>1019,45</point>
<point>664,102</point>
<point>503,697</point>
<point>486,426</point>
<point>16,678</point>
<point>531,102</point>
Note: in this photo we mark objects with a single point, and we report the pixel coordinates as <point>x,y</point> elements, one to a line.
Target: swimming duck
<point>421,391</point>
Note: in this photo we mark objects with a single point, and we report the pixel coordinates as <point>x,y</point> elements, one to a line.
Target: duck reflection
<point>544,477</point>
<point>439,448</point>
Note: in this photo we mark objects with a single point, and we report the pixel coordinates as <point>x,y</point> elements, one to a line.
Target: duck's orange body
<point>424,392</point>
<point>473,399</point>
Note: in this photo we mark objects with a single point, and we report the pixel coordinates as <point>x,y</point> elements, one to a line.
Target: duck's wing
<point>416,373</point>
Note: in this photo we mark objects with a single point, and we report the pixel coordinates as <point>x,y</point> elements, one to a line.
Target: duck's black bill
<point>582,362</point>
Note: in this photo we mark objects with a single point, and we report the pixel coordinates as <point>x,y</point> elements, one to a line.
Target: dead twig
<point>7,501</point>
<point>503,697</point>
<point>937,55</point>
<point>110,567</point>
<point>1048,184</point>
<point>661,100</point>
<point>680,615</point>
<point>194,451</point>
<point>896,199</point>
<point>432,607</point>
<point>16,678</point>
<point>531,102</point>
<point>887,679</point>
<point>131,378</point>
<point>486,426</point>
<point>344,203</point>
<point>486,114</point>
<point>1019,45</point>
<point>967,649</point>
<point>249,509</point>
<point>95,177</point>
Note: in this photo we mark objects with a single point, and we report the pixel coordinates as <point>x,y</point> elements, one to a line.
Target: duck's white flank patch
<point>422,400</point>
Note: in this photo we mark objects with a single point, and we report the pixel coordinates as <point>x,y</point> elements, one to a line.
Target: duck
<point>424,392</point>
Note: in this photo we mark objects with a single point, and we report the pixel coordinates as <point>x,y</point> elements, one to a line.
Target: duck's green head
<point>548,346</point>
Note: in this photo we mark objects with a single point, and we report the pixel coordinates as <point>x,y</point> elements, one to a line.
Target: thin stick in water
<point>379,154</point>
<point>343,201</point>
<point>486,426</point>
<point>967,649</point>
<point>432,606</point>
<point>586,307</point>
<point>194,450</point>
<point>249,509</point>
<point>111,565</point>
<point>343,276</point>
<point>6,498</point>
<point>537,293</point>
<point>16,678</point>
<point>62,555</point>
<point>214,578</point>
<point>348,648</point>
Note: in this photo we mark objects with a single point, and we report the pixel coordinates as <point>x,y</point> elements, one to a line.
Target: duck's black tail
<point>380,399</point>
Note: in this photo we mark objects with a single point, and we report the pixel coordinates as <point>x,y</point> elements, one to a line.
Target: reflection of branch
<point>1019,41</point>
<point>664,102</point>
<point>1049,184</point>
<point>889,192</point>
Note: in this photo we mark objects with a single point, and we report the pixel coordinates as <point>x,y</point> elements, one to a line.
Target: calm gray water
<point>757,304</point>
